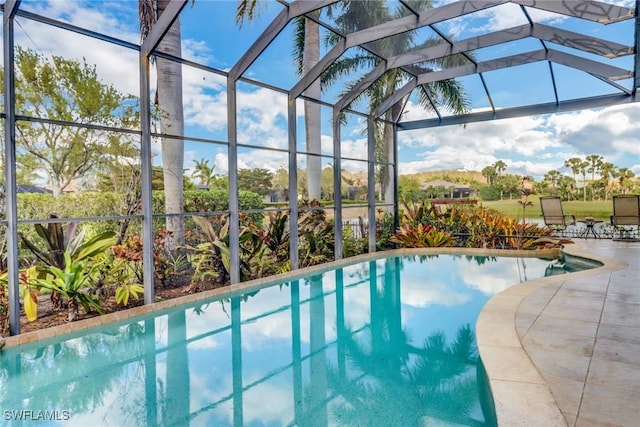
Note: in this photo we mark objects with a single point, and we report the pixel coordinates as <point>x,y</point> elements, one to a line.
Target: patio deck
<point>566,350</point>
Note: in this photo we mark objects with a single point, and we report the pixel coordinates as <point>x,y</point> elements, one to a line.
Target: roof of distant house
<point>20,188</point>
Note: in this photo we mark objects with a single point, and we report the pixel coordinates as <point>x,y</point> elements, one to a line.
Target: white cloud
<point>529,145</point>
<point>434,292</point>
<point>114,64</point>
<point>490,278</point>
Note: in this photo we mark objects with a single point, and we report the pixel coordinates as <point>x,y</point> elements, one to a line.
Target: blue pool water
<point>388,342</point>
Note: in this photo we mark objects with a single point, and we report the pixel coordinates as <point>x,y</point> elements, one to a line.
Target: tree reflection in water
<point>392,382</point>
<point>257,364</point>
<point>60,378</point>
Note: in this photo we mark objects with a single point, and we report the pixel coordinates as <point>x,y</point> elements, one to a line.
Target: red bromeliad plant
<point>422,236</point>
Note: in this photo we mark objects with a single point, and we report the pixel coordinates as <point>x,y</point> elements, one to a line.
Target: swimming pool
<point>385,342</point>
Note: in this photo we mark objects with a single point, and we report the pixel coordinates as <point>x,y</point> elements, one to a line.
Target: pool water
<point>388,342</point>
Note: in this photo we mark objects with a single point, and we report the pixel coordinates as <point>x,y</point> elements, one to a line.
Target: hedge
<point>39,206</point>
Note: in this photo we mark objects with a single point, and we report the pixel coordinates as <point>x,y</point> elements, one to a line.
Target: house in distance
<point>446,190</point>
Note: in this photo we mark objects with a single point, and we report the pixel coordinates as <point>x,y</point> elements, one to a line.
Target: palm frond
<point>147,12</point>
<point>247,9</point>
<point>448,93</point>
<point>298,45</point>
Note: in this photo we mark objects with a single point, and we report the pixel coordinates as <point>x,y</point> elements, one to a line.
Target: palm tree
<point>489,172</point>
<point>307,54</point>
<point>623,175</point>
<point>500,167</point>
<point>308,35</point>
<point>553,176</point>
<point>573,164</point>
<point>566,187</point>
<point>354,17</point>
<point>204,172</point>
<point>594,163</point>
<point>582,168</point>
<point>428,381</point>
<point>169,103</point>
<point>606,173</point>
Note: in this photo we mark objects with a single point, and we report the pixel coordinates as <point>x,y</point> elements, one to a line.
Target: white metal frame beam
<point>604,71</point>
<point>530,110</point>
<point>10,184</point>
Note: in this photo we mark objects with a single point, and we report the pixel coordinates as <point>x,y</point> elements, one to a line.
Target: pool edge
<point>516,397</point>
<point>520,393</point>
<point>122,315</point>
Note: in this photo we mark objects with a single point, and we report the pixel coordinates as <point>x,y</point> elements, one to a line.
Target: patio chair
<point>553,214</point>
<point>626,217</point>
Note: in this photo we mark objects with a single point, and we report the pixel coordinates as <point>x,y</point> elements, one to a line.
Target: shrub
<point>351,245</point>
<point>422,236</point>
<point>485,228</point>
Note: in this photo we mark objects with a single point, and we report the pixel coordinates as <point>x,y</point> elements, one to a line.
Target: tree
<point>280,183</point>
<point>606,173</point>
<point>500,167</point>
<point>204,172</point>
<point>573,164</point>
<point>624,175</point>
<point>594,163</point>
<point>582,168</point>
<point>566,187</point>
<point>307,54</point>
<point>62,89</point>
<point>126,179</point>
<point>169,103</point>
<point>510,185</point>
<point>449,93</point>
<point>552,177</point>
<point>257,180</point>
<point>409,189</point>
<point>490,174</point>
<point>326,182</point>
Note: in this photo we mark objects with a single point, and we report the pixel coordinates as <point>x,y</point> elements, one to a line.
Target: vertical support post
<point>394,160</point>
<point>148,270</point>
<point>371,181</point>
<point>341,325</point>
<point>234,214</point>
<point>293,185</point>
<point>296,352</point>
<point>10,9</point>
<point>150,379</point>
<point>236,362</point>
<point>636,65</point>
<point>337,184</point>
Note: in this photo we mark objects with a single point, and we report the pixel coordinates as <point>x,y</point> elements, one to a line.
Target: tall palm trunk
<point>386,179</point>
<point>312,110</point>
<point>389,180</point>
<point>171,122</point>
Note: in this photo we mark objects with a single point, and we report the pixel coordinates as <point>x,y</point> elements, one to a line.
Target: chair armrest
<point>573,219</point>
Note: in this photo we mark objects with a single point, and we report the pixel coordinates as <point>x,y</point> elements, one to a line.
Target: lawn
<point>599,209</point>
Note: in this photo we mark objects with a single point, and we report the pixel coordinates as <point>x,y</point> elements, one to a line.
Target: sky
<point>528,145</point>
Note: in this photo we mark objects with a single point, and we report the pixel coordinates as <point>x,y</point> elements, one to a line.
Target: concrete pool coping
<point>521,372</point>
<point>521,393</point>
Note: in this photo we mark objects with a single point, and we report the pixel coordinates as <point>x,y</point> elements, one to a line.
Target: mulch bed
<point>49,317</point>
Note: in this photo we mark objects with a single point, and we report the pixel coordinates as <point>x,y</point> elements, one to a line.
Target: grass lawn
<point>599,209</point>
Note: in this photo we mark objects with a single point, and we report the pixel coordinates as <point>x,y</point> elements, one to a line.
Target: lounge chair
<point>553,214</point>
<point>626,217</point>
